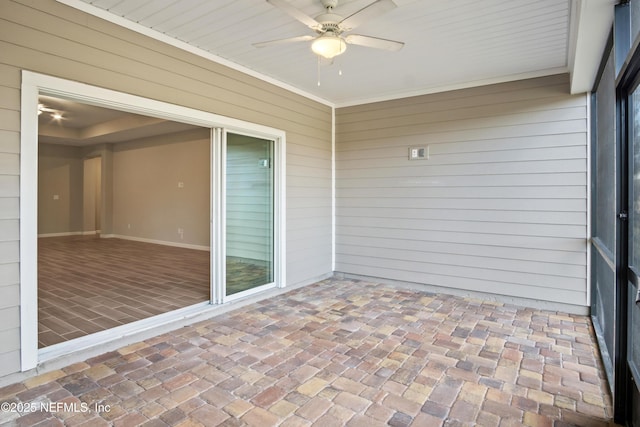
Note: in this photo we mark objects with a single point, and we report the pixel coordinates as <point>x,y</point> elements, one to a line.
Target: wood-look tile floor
<point>338,353</point>
<point>87,284</point>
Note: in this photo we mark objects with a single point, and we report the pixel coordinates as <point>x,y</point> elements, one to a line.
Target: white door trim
<point>34,84</point>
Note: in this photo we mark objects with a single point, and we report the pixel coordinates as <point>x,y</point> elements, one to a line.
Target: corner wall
<point>500,207</point>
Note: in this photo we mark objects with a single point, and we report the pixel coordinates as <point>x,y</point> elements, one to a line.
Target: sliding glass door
<point>249,213</point>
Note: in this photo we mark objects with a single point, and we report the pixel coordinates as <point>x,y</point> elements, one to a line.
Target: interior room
<point>123,218</point>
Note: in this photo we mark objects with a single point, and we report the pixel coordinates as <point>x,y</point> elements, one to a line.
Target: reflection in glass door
<point>249,213</point>
<point>633,257</point>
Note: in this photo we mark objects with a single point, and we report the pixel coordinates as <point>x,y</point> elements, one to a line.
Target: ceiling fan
<point>330,27</point>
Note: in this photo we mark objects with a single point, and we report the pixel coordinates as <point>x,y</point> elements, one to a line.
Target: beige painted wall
<point>60,182</point>
<point>147,201</point>
<point>51,38</point>
<point>142,177</point>
<point>91,194</point>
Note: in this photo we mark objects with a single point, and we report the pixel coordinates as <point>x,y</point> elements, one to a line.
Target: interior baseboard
<point>155,241</point>
<point>64,234</point>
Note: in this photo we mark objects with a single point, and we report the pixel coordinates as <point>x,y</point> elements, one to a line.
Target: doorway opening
<point>123,218</point>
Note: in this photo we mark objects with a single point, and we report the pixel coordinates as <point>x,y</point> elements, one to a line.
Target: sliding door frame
<point>278,218</point>
<point>34,84</point>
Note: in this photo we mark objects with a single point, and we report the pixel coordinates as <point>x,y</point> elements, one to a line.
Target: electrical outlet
<point>419,153</point>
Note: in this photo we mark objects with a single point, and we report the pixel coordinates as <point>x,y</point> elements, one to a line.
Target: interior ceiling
<point>84,125</point>
<point>448,44</point>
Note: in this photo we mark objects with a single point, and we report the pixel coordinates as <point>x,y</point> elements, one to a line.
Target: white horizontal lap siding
<point>499,206</point>
<point>50,38</point>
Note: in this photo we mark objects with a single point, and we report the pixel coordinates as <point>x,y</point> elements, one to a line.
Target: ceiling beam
<point>591,23</point>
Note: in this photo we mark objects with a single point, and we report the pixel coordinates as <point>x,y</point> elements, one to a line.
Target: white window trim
<point>34,84</point>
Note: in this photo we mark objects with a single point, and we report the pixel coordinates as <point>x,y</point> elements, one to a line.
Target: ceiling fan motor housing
<point>329,4</point>
<point>330,22</point>
<point>330,27</point>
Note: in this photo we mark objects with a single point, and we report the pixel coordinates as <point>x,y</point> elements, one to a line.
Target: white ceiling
<point>448,44</point>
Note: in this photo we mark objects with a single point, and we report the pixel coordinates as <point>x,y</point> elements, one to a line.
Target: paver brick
<point>312,387</point>
<point>343,352</point>
<point>259,417</point>
<point>314,408</point>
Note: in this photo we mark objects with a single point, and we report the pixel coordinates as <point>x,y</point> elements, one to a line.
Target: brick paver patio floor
<point>338,353</point>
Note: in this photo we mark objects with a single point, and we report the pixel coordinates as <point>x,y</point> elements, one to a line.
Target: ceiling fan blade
<point>373,42</point>
<point>295,13</point>
<point>283,41</point>
<point>368,12</point>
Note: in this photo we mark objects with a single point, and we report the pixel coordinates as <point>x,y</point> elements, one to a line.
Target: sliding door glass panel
<point>249,213</point>
<point>634,193</point>
<point>633,271</point>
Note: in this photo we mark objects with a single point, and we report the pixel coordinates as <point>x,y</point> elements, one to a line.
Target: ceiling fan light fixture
<point>329,45</point>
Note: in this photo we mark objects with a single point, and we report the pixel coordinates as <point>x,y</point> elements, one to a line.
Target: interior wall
<point>105,153</point>
<point>499,207</point>
<point>91,194</point>
<point>146,202</point>
<point>161,188</point>
<point>60,189</point>
<point>50,38</point>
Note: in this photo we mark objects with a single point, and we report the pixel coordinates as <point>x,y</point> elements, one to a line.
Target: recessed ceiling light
<point>56,115</point>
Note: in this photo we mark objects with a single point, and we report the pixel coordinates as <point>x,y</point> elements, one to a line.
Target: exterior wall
<point>500,206</point>
<point>50,38</point>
